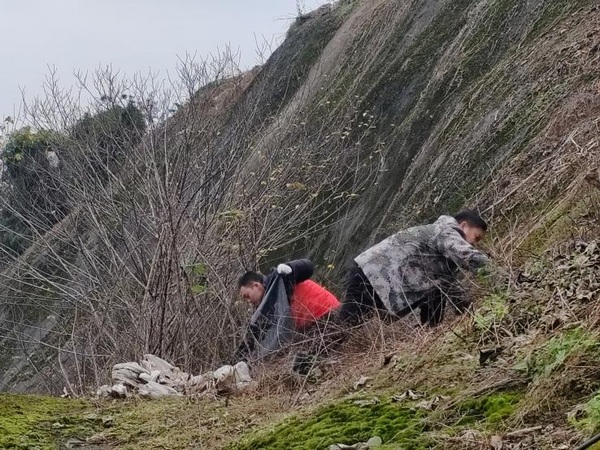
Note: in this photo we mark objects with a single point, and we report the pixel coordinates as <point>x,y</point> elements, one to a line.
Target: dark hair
<point>249,277</point>
<point>472,218</point>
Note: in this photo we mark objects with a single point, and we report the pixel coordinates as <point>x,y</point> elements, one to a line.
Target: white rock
<point>222,372</point>
<point>361,382</point>
<point>198,381</point>
<point>53,160</point>
<point>374,442</point>
<point>154,375</point>
<point>118,391</point>
<point>156,390</point>
<point>145,377</point>
<point>232,378</point>
<point>128,373</point>
<point>154,378</point>
<point>496,442</point>
<point>104,391</point>
<point>152,363</point>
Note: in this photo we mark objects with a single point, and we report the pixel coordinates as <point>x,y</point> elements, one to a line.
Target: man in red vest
<point>309,301</point>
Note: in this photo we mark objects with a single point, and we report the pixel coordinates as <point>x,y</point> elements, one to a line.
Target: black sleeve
<point>302,269</point>
<point>241,353</point>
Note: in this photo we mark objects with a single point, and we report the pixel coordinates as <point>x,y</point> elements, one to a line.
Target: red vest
<point>310,302</point>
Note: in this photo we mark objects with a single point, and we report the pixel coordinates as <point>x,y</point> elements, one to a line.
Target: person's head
<point>472,225</point>
<point>251,287</point>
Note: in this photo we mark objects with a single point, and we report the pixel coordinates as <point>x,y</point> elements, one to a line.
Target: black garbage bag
<point>271,326</point>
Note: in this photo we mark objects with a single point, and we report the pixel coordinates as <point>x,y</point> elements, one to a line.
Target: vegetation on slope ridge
<point>524,360</point>
<point>441,104</point>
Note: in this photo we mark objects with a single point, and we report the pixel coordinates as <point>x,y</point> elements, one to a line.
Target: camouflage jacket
<point>413,263</point>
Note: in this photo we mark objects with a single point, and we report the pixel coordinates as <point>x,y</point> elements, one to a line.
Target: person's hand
<point>284,269</point>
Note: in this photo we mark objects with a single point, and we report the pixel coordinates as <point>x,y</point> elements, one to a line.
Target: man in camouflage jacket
<point>415,268</point>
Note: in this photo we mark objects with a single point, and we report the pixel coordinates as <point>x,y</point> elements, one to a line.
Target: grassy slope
<point>547,332</point>
<point>546,364</point>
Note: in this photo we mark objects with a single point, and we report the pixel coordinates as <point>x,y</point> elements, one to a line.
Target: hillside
<point>371,116</point>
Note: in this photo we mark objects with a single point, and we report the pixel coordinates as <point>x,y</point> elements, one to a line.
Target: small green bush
<point>492,311</point>
<point>553,355</point>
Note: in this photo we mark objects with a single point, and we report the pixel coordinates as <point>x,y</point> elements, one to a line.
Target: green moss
<point>491,39</point>
<point>398,424</point>
<point>28,421</point>
<point>557,225</point>
<point>151,424</point>
<point>494,308</point>
<point>552,13</point>
<point>553,355</point>
<point>346,423</point>
<point>590,422</point>
<point>492,409</point>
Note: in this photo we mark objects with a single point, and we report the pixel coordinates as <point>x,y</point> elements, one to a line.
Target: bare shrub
<point>161,222</point>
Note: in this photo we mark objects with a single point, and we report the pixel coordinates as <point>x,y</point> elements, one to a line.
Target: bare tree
<point>172,190</point>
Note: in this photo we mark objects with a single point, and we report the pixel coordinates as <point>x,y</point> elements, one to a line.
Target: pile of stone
<point>154,377</point>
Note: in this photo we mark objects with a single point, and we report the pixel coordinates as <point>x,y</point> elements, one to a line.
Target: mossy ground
<point>43,422</point>
<point>36,422</point>
<point>263,420</point>
<point>491,410</point>
<point>471,400</point>
<point>401,424</point>
<point>344,422</point>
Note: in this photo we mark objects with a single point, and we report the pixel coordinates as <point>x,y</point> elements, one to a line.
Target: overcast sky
<point>131,35</point>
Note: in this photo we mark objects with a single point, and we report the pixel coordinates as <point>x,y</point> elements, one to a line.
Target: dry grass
<point>523,134</point>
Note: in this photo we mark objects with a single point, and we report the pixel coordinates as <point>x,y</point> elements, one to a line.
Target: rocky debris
<point>115,391</point>
<point>576,413</point>
<point>496,442</point>
<point>374,442</point>
<point>433,403</point>
<point>154,378</point>
<point>152,389</point>
<point>362,381</point>
<point>97,439</point>
<point>232,378</point>
<point>153,363</point>
<point>408,395</point>
<point>74,443</point>
<point>128,374</point>
<point>367,402</point>
<point>428,405</point>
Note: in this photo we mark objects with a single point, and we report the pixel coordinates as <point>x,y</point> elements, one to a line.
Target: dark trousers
<point>431,309</point>
<point>434,304</point>
<point>360,301</point>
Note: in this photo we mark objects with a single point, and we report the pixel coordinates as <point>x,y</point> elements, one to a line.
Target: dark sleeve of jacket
<point>242,353</point>
<point>453,246</point>
<point>302,270</point>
